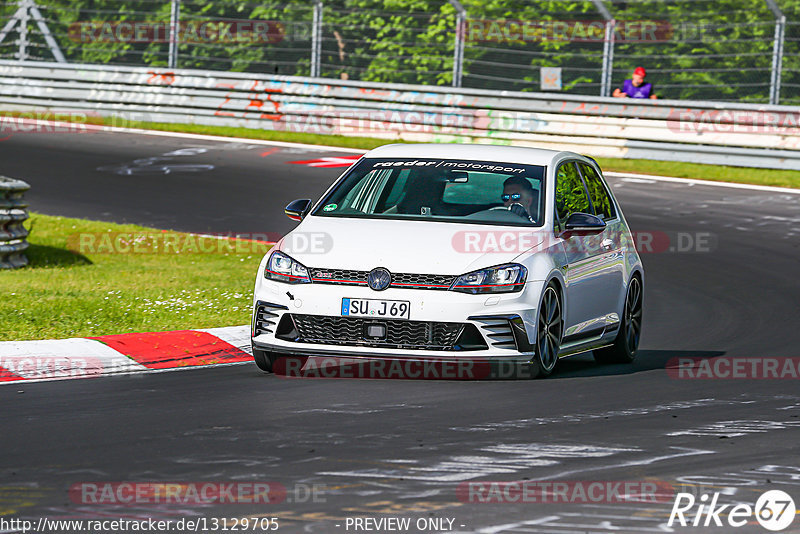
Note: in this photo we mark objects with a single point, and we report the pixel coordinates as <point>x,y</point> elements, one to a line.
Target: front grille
<point>335,330</point>
<point>429,281</point>
<point>338,276</point>
<point>440,282</point>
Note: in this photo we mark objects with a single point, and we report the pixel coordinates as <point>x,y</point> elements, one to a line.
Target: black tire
<point>264,360</point>
<point>549,333</point>
<point>626,344</point>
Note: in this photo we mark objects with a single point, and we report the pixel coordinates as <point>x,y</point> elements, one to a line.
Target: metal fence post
<point>777,52</point>
<point>27,10</point>
<point>22,53</point>
<point>458,45</point>
<point>48,37</point>
<point>608,48</point>
<point>316,40</point>
<point>777,61</point>
<point>12,215</point>
<point>174,32</point>
<point>608,58</point>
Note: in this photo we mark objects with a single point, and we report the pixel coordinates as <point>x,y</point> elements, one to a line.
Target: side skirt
<point>587,341</point>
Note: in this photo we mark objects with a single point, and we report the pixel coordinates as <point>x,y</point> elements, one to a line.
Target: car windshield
<point>440,190</point>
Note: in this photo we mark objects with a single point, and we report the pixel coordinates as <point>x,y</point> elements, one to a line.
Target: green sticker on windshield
<point>330,207</point>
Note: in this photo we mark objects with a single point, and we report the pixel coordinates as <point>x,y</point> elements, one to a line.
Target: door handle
<point>607,244</point>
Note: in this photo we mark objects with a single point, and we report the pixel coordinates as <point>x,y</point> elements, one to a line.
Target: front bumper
<point>505,323</point>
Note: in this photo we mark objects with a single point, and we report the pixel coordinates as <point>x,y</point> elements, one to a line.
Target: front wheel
<point>626,344</point>
<point>549,333</point>
<point>264,360</point>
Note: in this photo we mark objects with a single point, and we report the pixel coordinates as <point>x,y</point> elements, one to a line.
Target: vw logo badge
<point>379,279</point>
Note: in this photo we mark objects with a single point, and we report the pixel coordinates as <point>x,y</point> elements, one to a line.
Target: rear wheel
<point>549,333</point>
<point>264,360</point>
<point>626,344</point>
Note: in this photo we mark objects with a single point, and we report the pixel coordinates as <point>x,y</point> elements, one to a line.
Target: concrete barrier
<point>701,132</point>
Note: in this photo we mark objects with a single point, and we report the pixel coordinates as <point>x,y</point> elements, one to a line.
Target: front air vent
<point>265,317</point>
<point>498,331</point>
<point>505,331</point>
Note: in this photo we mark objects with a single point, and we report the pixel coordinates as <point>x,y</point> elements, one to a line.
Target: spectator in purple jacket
<point>636,86</point>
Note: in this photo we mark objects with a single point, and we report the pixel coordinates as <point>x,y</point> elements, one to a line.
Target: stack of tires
<point>12,215</point>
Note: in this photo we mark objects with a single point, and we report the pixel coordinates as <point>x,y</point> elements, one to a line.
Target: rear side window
<point>570,193</point>
<point>603,206</point>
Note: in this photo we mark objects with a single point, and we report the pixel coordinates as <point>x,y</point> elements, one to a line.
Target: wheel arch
<point>557,280</point>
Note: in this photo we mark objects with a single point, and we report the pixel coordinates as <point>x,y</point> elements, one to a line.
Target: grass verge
<point>89,278</point>
<point>699,171</point>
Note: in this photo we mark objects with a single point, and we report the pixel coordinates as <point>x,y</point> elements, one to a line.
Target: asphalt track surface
<point>400,448</point>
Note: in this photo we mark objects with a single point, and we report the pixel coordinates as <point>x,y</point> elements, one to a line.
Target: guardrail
<point>700,132</point>
<point>12,215</point>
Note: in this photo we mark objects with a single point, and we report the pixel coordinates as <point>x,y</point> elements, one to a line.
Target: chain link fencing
<point>712,50</point>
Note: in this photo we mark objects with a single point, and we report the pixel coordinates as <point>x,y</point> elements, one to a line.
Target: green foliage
<point>570,194</point>
<point>708,50</point>
<point>99,290</point>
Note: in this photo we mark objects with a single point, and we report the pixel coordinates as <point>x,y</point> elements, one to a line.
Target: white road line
<point>238,336</point>
<point>63,358</point>
<point>647,461</point>
<point>322,148</point>
<point>220,138</point>
<point>184,135</point>
<point>692,181</point>
<point>137,371</point>
<point>494,529</point>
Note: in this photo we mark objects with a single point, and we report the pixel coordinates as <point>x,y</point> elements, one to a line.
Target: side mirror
<point>584,222</point>
<point>297,209</point>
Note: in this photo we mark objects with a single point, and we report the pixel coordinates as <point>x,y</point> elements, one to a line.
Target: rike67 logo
<point>774,510</point>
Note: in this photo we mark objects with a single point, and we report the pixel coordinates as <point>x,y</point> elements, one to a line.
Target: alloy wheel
<point>550,330</point>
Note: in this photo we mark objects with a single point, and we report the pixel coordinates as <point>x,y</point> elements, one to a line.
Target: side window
<point>570,193</point>
<point>357,193</point>
<point>601,200</point>
<point>363,196</point>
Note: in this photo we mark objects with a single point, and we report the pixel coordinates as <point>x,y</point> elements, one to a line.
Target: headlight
<point>282,268</point>
<point>506,278</point>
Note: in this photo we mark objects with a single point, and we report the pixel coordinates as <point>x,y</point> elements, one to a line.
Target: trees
<point>707,50</point>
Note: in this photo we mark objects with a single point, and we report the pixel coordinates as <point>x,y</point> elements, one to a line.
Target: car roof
<point>470,152</point>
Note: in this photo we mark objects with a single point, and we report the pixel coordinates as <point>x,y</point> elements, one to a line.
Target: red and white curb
<point>57,359</point>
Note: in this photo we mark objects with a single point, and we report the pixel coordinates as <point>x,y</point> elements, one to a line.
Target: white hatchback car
<point>446,251</point>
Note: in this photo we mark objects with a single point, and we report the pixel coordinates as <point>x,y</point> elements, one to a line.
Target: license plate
<point>386,309</point>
